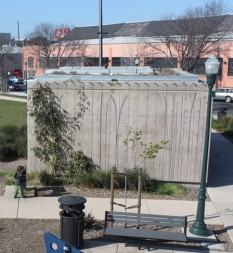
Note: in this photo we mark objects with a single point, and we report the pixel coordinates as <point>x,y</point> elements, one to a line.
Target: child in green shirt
<point>20,181</point>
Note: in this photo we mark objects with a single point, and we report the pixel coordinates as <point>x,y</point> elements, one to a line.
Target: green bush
<point>8,151</point>
<point>21,146</point>
<point>9,132</point>
<point>13,142</point>
<point>88,180</point>
<point>33,178</point>
<point>230,125</point>
<point>21,141</point>
<point>79,164</point>
<point>46,179</point>
<point>170,189</point>
<point>224,125</point>
<point>218,125</point>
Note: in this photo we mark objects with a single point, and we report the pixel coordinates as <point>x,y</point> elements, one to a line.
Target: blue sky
<point>29,13</point>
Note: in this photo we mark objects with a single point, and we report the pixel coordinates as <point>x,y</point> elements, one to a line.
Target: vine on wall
<point>54,127</point>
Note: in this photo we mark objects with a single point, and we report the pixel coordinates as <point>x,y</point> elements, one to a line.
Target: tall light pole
<point>25,76</point>
<point>199,227</point>
<point>100,34</point>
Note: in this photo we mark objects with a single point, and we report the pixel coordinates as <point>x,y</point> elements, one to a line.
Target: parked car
<point>31,78</point>
<point>16,86</point>
<point>15,79</point>
<point>225,94</point>
<point>17,72</point>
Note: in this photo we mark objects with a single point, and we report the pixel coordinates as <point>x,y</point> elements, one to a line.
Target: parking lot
<point>221,105</point>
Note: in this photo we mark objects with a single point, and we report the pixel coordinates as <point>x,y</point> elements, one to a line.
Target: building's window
<point>94,61</point>
<point>199,68</point>
<point>230,67</point>
<point>31,73</point>
<point>220,66</point>
<point>123,61</point>
<point>128,61</point>
<point>70,62</point>
<point>42,62</point>
<point>31,62</point>
<point>116,61</point>
<point>51,63</point>
<point>160,62</point>
<point>91,61</point>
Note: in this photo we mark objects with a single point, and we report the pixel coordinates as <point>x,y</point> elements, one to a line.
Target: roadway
<point>221,105</point>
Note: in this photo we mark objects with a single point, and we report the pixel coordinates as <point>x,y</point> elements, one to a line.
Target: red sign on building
<point>61,32</point>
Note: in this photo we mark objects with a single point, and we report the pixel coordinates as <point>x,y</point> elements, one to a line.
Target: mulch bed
<point>21,235</point>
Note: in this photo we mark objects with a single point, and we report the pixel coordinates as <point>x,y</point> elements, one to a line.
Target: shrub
<point>170,189</point>
<point>9,177</point>
<point>90,222</point>
<point>21,146</point>
<point>224,125</point>
<point>8,151</point>
<point>79,164</point>
<point>33,178</point>
<point>230,125</point>
<point>13,142</point>
<point>21,141</point>
<point>89,180</point>
<point>218,125</point>
<point>47,179</point>
<point>9,132</point>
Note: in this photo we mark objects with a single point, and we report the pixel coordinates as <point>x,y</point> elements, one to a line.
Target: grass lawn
<point>12,112</point>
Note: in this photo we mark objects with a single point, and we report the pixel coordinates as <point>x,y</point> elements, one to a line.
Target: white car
<point>225,94</point>
<point>31,78</point>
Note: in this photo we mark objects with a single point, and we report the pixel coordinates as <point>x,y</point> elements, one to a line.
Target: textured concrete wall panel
<point>173,111</point>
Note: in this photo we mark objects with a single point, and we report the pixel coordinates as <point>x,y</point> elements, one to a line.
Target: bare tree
<point>195,34</point>
<point>53,53</point>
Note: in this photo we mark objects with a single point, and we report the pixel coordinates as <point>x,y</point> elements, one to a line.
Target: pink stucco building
<point>128,44</point>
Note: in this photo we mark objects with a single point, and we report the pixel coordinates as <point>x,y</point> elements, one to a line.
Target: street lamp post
<point>199,227</point>
<point>25,76</point>
<point>100,34</point>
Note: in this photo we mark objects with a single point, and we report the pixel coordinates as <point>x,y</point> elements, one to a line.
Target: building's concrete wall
<point>172,110</point>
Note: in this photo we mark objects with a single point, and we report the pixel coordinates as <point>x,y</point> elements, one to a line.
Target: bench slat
<point>162,221</point>
<point>145,234</point>
<point>116,213</point>
<point>155,220</point>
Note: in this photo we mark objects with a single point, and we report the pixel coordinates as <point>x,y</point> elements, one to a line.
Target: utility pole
<point>100,34</point>
<point>18,31</point>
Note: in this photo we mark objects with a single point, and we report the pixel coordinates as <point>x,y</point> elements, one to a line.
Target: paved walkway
<point>21,97</point>
<point>220,185</point>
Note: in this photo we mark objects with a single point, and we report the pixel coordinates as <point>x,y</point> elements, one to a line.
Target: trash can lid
<point>72,200</point>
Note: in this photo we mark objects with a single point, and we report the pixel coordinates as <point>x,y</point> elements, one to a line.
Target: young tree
<point>53,53</point>
<point>195,34</point>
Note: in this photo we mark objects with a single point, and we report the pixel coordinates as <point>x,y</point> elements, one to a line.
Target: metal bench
<point>145,226</point>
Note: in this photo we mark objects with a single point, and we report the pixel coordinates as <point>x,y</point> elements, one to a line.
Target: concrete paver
<point>48,207</point>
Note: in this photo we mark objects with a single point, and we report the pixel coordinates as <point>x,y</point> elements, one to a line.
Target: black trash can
<point>72,219</point>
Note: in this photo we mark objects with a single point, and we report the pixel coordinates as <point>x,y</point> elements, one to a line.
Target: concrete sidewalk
<point>48,208</point>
